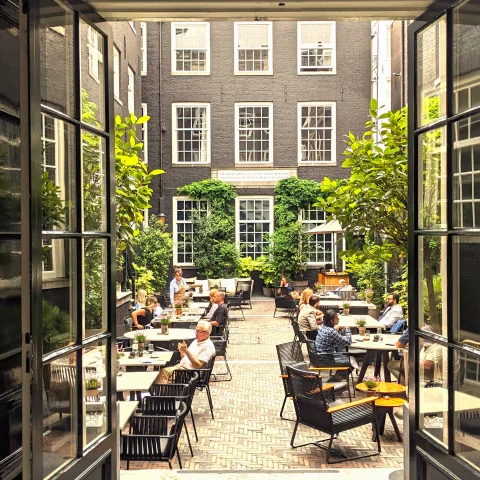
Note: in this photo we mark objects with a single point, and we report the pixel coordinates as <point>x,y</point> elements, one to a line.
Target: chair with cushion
<point>153,438</point>
<point>317,408</point>
<point>286,304</point>
<point>221,351</point>
<point>399,326</point>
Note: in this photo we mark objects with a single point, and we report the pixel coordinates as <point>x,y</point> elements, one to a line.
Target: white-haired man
<point>197,355</point>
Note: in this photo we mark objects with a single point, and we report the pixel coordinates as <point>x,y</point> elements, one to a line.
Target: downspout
<point>402,78</point>
<point>161,206</point>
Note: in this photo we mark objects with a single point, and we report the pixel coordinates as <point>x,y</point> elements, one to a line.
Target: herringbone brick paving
<point>247,432</point>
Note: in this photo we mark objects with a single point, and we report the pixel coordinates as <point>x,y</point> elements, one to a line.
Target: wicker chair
<point>153,438</point>
<point>221,351</point>
<point>316,407</point>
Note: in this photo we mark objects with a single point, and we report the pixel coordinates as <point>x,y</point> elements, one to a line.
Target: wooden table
<point>135,383</point>
<point>125,411</point>
<point>155,334</point>
<point>350,321</point>
<point>384,406</point>
<point>378,351</point>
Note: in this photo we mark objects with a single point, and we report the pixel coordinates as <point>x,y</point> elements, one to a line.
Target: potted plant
<point>368,293</point>
<point>267,274</point>
<point>178,309</point>
<point>164,323</point>
<point>92,385</point>
<point>371,386</point>
<point>141,338</point>
<point>346,309</point>
<point>361,326</point>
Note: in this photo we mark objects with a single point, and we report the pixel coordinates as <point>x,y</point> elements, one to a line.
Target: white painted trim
<point>144,58</point>
<point>131,90</point>
<point>132,26</point>
<point>145,134</point>
<point>333,106</point>
<point>174,132</point>
<point>173,49</point>
<point>116,73</point>
<point>334,48</point>
<point>236,71</point>
<point>270,128</point>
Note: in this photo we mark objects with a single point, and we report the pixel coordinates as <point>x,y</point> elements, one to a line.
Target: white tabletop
<point>352,303</point>
<point>125,411</point>
<point>155,334</point>
<point>435,399</point>
<point>135,381</point>
<point>349,321</point>
<point>160,359</point>
<point>387,345</point>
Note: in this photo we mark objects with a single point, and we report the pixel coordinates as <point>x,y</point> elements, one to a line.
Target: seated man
<point>220,314</point>
<point>197,355</point>
<point>342,285</point>
<point>392,312</point>
<point>394,365</point>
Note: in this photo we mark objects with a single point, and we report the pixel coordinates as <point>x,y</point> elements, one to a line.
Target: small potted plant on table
<point>371,386</point>
<point>178,309</point>
<point>92,385</point>
<point>368,293</point>
<point>361,326</point>
<point>141,339</point>
<point>164,323</point>
<point>346,309</point>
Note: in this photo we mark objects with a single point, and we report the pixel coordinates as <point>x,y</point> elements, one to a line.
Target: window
<point>320,247</point>
<point>191,48</point>
<point>253,48</point>
<point>316,135</point>
<point>116,73</point>
<point>253,130</point>
<point>143,33</point>
<point>184,210</point>
<point>132,24</point>
<point>131,91</point>
<point>254,220</point>
<point>95,52</point>
<point>191,133</point>
<point>316,47</point>
<point>145,134</point>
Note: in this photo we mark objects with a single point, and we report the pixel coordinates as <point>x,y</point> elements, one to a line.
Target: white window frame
<point>143,49</point>
<point>174,70</point>
<point>332,45</point>
<point>145,134</point>
<point>237,217</point>
<point>95,45</point>
<point>175,227</point>
<point>309,224</point>
<point>269,48</point>
<point>237,131</point>
<point>333,128</point>
<point>131,91</point>
<point>132,26</point>
<point>175,134</point>
<point>116,74</point>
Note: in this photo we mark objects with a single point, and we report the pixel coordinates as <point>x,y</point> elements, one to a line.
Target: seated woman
<point>329,338</point>
<point>304,300</point>
<point>140,298</point>
<point>144,315</point>
<point>212,306</point>
<point>308,316</point>
<point>286,287</point>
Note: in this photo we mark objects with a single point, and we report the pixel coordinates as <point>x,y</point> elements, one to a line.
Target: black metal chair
<point>289,354</point>
<point>286,304</point>
<point>245,288</point>
<point>358,310</point>
<point>235,302</point>
<point>316,407</point>
<point>221,351</point>
<point>153,438</point>
<point>59,382</point>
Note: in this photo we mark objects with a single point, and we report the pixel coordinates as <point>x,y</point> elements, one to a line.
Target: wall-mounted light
<point>161,218</point>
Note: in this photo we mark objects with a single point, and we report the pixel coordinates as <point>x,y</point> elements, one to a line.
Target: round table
<point>384,406</point>
<point>379,351</point>
<point>155,334</point>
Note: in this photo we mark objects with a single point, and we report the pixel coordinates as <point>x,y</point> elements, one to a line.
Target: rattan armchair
<point>316,407</point>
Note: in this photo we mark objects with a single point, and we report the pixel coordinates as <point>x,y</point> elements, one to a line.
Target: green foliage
<point>56,327</point>
<point>220,194</point>
<point>267,270</point>
<point>141,338</point>
<point>53,209</point>
<point>369,274</point>
<point>153,250</point>
<point>401,287</point>
<point>346,305</point>
<point>92,383</point>
<point>246,265</point>
<point>361,322</point>
<point>143,278</point>
<point>373,201</point>
<point>370,384</point>
<point>293,195</point>
<point>165,321</point>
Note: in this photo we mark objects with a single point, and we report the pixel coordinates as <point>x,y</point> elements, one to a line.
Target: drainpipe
<point>161,206</point>
<point>402,78</point>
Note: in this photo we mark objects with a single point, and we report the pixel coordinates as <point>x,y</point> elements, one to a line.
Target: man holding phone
<point>197,355</point>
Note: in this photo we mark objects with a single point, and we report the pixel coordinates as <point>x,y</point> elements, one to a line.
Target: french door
<point>68,243</point>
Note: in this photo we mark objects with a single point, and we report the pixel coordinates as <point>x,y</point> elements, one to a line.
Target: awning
<point>333,226</point>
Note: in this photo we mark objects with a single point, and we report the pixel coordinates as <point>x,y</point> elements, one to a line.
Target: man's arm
<point>217,316</point>
<point>184,351</point>
<point>402,342</point>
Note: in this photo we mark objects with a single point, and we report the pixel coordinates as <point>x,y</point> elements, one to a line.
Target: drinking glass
<point>150,348</point>
<point>366,336</point>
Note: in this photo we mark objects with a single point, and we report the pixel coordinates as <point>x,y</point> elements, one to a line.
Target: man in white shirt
<point>392,312</point>
<point>197,355</point>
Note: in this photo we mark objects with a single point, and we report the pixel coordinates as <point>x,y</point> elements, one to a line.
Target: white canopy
<point>333,226</point>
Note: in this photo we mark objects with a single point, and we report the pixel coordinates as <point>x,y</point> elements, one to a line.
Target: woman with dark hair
<point>143,316</point>
<point>307,318</point>
<point>329,338</point>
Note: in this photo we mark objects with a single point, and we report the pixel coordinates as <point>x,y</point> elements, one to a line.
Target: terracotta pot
<point>346,311</point>
<point>361,330</point>
<point>141,346</point>
<point>91,393</point>
<point>369,299</point>
<point>371,393</point>
<point>178,311</point>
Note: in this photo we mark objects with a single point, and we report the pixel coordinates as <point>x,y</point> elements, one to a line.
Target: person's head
<point>178,273</point>
<point>314,300</point>
<point>219,297</point>
<point>284,279</point>
<point>392,299</point>
<point>330,318</point>
<point>306,294</point>
<point>342,282</point>
<point>203,330</point>
<point>151,302</point>
<point>141,296</point>
<point>212,293</point>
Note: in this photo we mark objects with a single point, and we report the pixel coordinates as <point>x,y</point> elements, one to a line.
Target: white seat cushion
<point>204,286</point>
<point>228,284</point>
<point>213,282</point>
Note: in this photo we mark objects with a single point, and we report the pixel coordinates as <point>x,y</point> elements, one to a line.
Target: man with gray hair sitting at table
<point>197,355</point>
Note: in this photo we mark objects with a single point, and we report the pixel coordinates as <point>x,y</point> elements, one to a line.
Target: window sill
<point>118,101</point>
<point>253,164</point>
<point>255,74</point>
<point>192,164</point>
<point>190,74</point>
<point>94,77</point>
<point>317,73</point>
<point>317,164</point>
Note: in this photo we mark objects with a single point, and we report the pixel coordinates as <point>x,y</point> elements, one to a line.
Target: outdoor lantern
<point>161,218</point>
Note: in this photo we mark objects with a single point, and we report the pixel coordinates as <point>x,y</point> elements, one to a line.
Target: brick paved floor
<point>247,432</point>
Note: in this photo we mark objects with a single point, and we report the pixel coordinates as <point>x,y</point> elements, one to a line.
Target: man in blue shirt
<point>394,365</point>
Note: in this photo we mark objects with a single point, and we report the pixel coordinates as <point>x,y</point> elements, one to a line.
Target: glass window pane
<point>10,62</point>
<point>10,175</point>
<point>92,48</point>
<point>58,295</point>
<point>60,421</point>
<point>94,182</point>
<point>432,287</point>
<point>433,393</point>
<point>433,188</point>
<point>431,73</point>
<point>95,268</point>
<point>95,391</point>
<point>467,407</point>
<point>57,73</point>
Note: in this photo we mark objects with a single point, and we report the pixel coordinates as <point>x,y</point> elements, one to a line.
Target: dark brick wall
<point>399,65</point>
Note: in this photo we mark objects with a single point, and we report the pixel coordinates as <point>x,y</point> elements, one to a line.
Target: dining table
<point>352,303</point>
<point>158,359</point>
<point>136,383</point>
<point>125,411</point>
<point>351,321</point>
<point>155,335</point>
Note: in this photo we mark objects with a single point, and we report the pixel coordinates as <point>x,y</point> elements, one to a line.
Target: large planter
<point>300,284</point>
<point>268,291</point>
